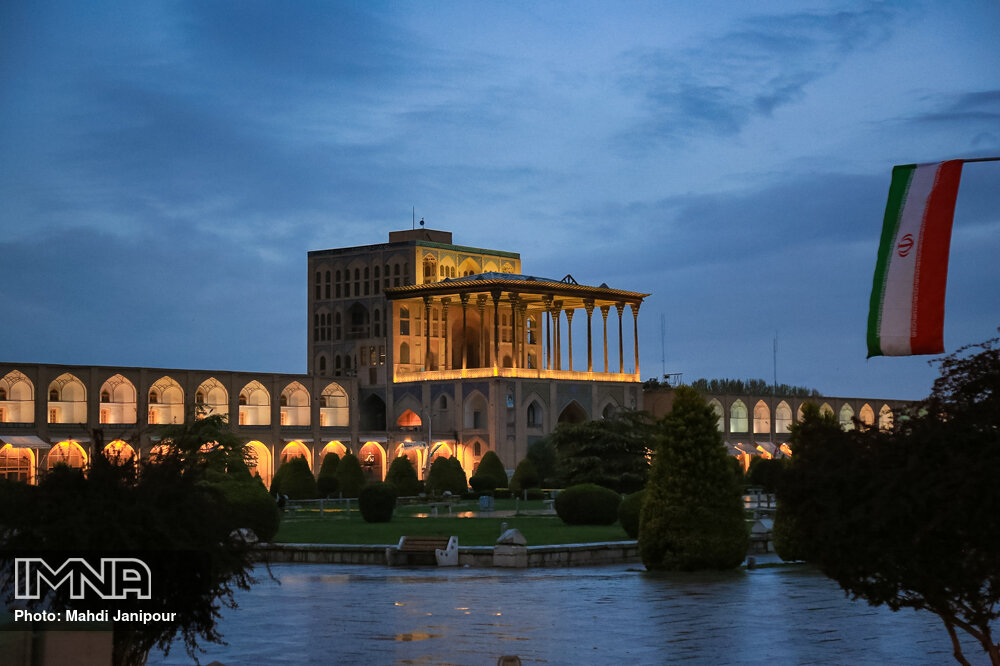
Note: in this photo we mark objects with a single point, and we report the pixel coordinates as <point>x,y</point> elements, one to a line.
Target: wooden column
<point>465,347</point>
<point>635,334</point>
<point>621,351</point>
<point>604,315</point>
<point>427,333</point>
<point>445,333</point>
<point>483,331</point>
<point>589,305</point>
<point>513,331</point>
<point>557,335</point>
<point>495,294</point>
<point>569,334</point>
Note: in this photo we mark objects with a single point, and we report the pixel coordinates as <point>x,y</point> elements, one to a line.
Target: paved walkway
<point>324,614</point>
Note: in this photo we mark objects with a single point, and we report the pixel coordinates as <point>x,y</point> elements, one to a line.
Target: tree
<point>164,508</point>
<point>612,452</point>
<point>403,477</point>
<point>350,477</point>
<point>326,481</point>
<point>911,518</point>
<point>543,454</point>
<point>525,476</point>
<point>692,515</point>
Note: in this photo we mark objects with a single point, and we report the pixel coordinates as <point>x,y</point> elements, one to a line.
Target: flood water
<point>337,614</point>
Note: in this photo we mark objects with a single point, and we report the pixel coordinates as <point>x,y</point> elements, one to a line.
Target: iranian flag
<point>907,305</point>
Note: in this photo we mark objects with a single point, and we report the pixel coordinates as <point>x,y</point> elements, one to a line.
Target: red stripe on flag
<point>927,333</point>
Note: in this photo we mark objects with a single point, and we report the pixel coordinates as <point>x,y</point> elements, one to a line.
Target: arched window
<point>847,417</point>
<point>338,331</point>
<point>761,418</point>
<point>719,420</point>
<point>322,365</point>
<point>336,365</point>
<point>154,397</point>
<point>477,449</point>
<point>327,284</point>
<point>738,417</point>
<point>404,321</point>
<point>404,353</point>
<point>782,417</point>
<point>377,283</point>
<point>337,282</point>
<point>3,394</point>
<point>319,285</point>
<point>199,398</point>
<point>534,415</point>
<point>357,281</point>
<point>367,282</point>
<point>105,396</point>
<point>53,395</point>
<point>378,323</point>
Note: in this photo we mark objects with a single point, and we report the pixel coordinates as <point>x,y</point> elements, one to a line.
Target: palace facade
<point>416,347</point>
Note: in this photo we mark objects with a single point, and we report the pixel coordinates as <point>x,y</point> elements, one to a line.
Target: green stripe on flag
<point>901,176</point>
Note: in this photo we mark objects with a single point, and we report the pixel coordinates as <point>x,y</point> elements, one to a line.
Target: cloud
<point>718,86</point>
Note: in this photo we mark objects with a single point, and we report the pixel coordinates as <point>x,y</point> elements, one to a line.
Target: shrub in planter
<point>350,478</point>
<point>377,501</point>
<point>403,477</point>
<point>628,513</point>
<point>588,504</point>
<point>295,480</point>
<point>326,482</point>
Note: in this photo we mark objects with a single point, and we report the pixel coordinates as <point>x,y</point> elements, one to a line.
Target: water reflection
<point>324,614</point>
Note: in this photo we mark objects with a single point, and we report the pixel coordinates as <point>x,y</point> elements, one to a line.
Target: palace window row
<point>366,281</point>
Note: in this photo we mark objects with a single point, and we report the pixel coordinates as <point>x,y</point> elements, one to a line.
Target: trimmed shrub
<point>403,477</point>
<point>482,484</point>
<point>628,513</point>
<point>447,474</point>
<point>295,480</point>
<point>350,477</point>
<point>377,501</point>
<point>588,504</point>
<point>326,482</point>
<point>490,471</point>
<point>525,476</point>
<point>765,474</point>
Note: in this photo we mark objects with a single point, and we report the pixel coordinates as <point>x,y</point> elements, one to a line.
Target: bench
<point>442,551</point>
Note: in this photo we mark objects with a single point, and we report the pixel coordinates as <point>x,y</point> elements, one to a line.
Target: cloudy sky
<point>165,168</point>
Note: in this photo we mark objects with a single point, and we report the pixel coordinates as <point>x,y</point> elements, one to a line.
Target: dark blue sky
<point>165,167</point>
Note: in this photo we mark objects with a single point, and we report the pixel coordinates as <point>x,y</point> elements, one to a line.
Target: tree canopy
<point>185,500</point>
<point>612,452</point>
<point>909,518</point>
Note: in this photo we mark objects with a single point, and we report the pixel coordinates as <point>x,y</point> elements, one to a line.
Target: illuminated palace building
<point>417,347</point>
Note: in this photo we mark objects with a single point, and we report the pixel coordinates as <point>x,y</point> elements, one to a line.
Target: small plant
<point>588,504</point>
<point>491,473</point>
<point>377,501</point>
<point>525,476</point>
<point>447,475</point>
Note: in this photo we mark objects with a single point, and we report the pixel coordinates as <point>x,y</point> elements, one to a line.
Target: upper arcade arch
<point>333,406</point>
<point>255,405</point>
<point>17,402</point>
<point>761,418</point>
<point>294,404</point>
<point>720,418</point>
<point>211,398</point>
<point>67,400</point>
<point>118,400</point>
<point>166,401</point>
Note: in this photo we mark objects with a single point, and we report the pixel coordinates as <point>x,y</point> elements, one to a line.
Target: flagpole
<point>982,159</point>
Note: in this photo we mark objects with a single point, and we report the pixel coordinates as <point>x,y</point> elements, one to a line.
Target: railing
<point>401,375</point>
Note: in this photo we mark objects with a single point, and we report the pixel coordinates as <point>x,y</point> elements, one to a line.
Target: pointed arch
<point>334,446</point>
<point>372,459</point>
<point>885,418</point>
<point>17,463</point>
<point>847,417</point>
<point>409,419</point>
<point>67,452</point>
<point>118,400</point>
<point>67,400</point>
<point>260,461</point>
<point>295,404</point>
<point>826,409</point>
<point>166,401</point>
<point>720,416</point>
<point>573,413</point>
<point>475,411</point>
<point>738,417</point>
<point>867,415</point>
<point>17,405</point>
<point>120,451</point>
<point>610,408</point>
<point>211,398</point>
<point>255,404</point>
<point>761,418</point>
<point>333,406</point>
<point>782,418</point>
<point>295,449</point>
<point>535,413</point>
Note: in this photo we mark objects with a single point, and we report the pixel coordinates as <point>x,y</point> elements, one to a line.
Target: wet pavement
<point>337,614</point>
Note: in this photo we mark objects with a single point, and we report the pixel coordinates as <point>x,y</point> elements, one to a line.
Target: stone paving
<point>343,614</point>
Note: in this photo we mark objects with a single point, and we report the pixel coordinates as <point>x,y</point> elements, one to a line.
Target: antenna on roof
<point>413,222</point>
<point>421,221</point>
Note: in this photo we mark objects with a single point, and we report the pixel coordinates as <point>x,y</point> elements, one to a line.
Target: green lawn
<point>538,530</point>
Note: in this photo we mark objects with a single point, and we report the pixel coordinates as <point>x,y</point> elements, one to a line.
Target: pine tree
<point>692,517</point>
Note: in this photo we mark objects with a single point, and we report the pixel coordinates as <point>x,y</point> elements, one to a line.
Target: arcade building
<point>416,347</point>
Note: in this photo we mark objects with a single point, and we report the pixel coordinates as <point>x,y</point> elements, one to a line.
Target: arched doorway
<point>68,452</point>
<point>260,461</point>
<point>295,449</point>
<point>17,463</point>
<point>573,413</point>
<point>373,413</point>
<point>120,452</point>
<point>372,459</point>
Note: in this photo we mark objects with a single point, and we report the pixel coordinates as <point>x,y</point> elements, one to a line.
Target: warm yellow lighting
<point>763,452</point>
<point>787,450</point>
<point>401,375</point>
<point>398,603</point>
